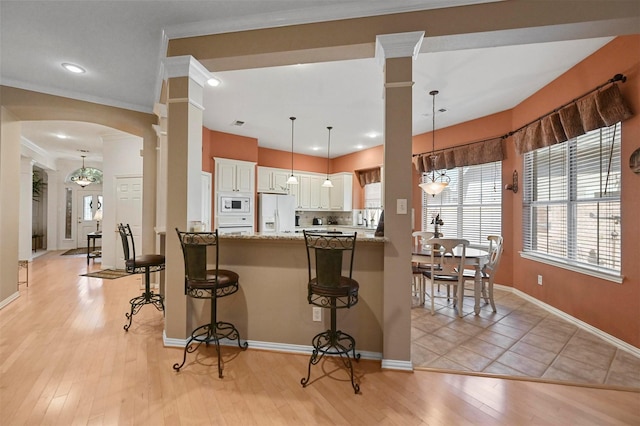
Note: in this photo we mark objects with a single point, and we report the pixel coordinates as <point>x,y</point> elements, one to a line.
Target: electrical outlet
<point>539,279</point>
<point>317,313</point>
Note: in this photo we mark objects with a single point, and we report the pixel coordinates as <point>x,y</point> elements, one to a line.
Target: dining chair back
<point>420,238</point>
<point>489,270</point>
<point>447,268</point>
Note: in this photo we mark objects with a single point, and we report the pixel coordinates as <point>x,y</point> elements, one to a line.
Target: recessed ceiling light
<point>213,82</point>
<point>315,148</point>
<point>76,69</point>
<point>61,136</point>
<point>359,146</point>
<point>372,135</point>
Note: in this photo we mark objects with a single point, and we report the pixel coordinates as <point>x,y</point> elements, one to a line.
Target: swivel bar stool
<point>144,264</point>
<point>203,283</point>
<point>333,290</point>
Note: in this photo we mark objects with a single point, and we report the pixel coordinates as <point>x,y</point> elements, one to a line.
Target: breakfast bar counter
<point>271,310</point>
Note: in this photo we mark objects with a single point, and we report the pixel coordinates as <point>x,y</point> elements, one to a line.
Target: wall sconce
<point>513,186</point>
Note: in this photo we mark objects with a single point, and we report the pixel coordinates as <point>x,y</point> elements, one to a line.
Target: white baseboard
<point>268,346</point>
<point>620,344</point>
<point>9,299</point>
<point>394,364</point>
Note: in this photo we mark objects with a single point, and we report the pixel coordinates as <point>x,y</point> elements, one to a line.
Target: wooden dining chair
<point>447,268</point>
<point>417,285</point>
<point>488,270</point>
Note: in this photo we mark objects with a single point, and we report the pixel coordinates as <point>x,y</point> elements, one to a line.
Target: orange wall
<point>613,308</point>
<point>282,159</point>
<point>365,159</point>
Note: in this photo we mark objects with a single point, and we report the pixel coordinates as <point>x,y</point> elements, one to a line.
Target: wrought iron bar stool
<point>144,264</point>
<point>332,290</point>
<point>203,283</point>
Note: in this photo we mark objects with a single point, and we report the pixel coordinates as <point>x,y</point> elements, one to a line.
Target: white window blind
<point>470,207</point>
<point>571,201</point>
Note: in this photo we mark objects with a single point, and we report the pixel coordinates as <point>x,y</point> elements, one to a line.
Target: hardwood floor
<point>66,360</point>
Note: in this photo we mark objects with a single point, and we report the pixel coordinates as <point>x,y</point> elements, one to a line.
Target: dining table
<point>474,257</point>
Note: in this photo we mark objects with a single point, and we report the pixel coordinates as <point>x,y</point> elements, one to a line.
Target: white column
<point>185,80</point>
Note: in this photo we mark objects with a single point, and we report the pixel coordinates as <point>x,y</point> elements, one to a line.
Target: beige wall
<point>9,205</point>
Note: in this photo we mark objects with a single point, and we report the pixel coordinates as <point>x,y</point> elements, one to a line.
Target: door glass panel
<point>68,202</point>
<point>87,203</point>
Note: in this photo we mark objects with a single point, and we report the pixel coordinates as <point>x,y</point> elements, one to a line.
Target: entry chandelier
<point>437,180</point>
<point>327,183</point>
<point>292,179</point>
<point>83,178</point>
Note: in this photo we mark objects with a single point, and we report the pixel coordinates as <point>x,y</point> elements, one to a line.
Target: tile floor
<point>521,339</point>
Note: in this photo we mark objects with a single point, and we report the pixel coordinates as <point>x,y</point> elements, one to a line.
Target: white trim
<point>394,364</point>
<point>620,344</point>
<point>186,66</point>
<point>267,346</point>
<point>9,299</point>
<point>574,268</point>
<point>399,45</point>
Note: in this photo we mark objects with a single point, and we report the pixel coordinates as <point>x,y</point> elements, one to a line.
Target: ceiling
<point>120,44</point>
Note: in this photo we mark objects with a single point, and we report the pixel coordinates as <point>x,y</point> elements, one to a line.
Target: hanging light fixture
<point>83,179</point>
<point>327,183</point>
<point>438,180</point>
<point>292,179</point>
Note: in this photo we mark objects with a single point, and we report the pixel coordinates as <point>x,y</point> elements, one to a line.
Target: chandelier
<point>438,180</point>
<point>83,178</point>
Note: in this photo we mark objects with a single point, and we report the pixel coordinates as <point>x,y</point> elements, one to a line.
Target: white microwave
<point>234,204</point>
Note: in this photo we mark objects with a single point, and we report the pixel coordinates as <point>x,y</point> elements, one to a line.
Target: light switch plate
<point>401,206</point>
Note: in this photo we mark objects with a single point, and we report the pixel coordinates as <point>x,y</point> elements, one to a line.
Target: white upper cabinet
<point>309,192</point>
<point>340,196</point>
<point>273,180</point>
<point>234,176</point>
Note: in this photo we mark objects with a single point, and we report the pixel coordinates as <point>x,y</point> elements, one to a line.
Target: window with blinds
<point>571,201</point>
<point>470,207</point>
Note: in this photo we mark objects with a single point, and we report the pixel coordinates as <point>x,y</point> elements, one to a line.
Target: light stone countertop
<point>293,237</point>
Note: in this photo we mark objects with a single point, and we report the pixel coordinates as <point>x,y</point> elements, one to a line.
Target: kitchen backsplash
<point>338,218</point>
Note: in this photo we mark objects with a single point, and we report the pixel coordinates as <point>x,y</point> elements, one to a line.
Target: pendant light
<point>83,179</point>
<point>438,180</point>
<point>327,183</point>
<point>292,179</point>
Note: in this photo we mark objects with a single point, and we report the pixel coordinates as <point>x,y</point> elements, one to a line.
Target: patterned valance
<point>366,176</point>
<point>464,155</point>
<point>601,108</point>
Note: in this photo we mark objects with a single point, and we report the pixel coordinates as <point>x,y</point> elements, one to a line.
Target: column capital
<point>398,45</point>
<point>185,66</point>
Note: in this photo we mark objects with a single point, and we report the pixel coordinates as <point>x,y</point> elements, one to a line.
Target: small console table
<point>92,253</point>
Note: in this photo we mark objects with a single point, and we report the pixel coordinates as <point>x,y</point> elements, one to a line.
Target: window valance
<point>469,154</point>
<point>600,108</point>
<point>366,176</point>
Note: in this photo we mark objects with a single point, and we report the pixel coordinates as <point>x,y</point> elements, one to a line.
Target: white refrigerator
<point>276,213</point>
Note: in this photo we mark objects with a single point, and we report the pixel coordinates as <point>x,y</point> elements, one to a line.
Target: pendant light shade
<point>292,179</point>
<point>437,181</point>
<point>327,183</point>
<point>83,179</point>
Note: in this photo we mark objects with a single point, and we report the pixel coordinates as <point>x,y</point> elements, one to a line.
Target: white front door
<point>128,210</point>
<point>88,202</point>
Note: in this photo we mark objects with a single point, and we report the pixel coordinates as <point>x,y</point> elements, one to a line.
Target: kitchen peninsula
<point>271,310</point>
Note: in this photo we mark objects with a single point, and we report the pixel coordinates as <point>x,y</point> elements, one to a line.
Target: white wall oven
<point>235,225</point>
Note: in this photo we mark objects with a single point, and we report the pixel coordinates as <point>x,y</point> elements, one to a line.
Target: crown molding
<point>185,66</point>
<point>399,45</point>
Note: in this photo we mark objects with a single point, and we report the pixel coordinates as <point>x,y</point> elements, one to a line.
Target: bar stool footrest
<point>332,343</point>
<point>207,334</point>
<point>147,298</point>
